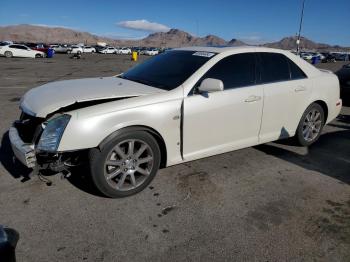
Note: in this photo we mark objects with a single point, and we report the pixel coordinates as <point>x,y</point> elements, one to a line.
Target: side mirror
<point>211,85</point>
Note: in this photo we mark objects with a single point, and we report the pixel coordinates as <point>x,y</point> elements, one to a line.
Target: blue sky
<point>253,21</point>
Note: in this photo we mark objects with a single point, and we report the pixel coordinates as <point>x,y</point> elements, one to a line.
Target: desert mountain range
<point>172,38</point>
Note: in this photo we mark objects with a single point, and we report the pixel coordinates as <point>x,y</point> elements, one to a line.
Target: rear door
<point>286,91</point>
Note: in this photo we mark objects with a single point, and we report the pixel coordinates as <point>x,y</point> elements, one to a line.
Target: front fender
<point>88,130</point>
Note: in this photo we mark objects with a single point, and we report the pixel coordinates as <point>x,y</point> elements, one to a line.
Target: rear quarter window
<point>295,71</point>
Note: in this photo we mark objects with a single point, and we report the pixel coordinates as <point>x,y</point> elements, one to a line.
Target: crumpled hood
<point>48,98</point>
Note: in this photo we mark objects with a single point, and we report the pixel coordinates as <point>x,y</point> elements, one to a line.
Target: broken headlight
<point>53,131</point>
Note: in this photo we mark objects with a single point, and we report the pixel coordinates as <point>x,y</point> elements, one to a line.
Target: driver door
<point>222,121</point>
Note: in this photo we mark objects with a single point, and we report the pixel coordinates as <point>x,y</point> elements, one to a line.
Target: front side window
<point>234,71</point>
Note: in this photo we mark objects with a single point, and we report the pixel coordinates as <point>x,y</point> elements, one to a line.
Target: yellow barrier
<point>134,56</point>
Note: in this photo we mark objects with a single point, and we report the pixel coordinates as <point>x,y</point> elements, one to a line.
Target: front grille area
<point>29,128</point>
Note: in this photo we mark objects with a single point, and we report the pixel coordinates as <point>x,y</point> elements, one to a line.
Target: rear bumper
<point>24,152</point>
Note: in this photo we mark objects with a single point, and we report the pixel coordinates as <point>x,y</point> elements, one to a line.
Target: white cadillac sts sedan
<point>179,106</point>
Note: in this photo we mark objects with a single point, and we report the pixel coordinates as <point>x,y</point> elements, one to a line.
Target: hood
<point>48,98</point>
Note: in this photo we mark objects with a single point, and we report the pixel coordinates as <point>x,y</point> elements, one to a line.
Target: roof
<point>219,49</point>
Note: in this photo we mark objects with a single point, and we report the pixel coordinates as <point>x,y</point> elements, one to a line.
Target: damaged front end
<point>35,141</point>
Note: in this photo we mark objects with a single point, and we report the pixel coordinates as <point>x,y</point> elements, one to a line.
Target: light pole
<point>301,22</point>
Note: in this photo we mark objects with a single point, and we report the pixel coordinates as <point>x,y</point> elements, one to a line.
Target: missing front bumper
<point>24,152</point>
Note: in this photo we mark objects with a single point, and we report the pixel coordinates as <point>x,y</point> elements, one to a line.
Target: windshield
<point>168,70</point>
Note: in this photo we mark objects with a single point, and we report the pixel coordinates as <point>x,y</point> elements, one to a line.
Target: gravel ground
<point>273,202</point>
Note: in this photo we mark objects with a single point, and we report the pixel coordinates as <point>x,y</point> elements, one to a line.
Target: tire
<point>117,172</point>
<point>38,56</point>
<point>310,125</point>
<point>8,54</point>
<point>79,52</point>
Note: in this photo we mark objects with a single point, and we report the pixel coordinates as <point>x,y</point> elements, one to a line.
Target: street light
<point>301,22</point>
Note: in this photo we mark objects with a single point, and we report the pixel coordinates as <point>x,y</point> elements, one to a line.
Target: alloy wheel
<point>312,125</point>
<point>128,164</point>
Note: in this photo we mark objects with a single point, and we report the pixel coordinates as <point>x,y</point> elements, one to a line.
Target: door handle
<point>252,99</point>
<point>300,89</point>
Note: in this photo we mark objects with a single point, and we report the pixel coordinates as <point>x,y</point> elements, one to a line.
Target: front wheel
<point>310,125</point>
<point>126,164</point>
<point>8,54</point>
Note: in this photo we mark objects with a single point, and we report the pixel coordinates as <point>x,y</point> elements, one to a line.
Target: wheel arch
<point>156,135</point>
<point>324,106</point>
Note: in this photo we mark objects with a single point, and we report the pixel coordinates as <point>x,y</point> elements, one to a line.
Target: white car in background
<point>123,51</point>
<point>108,50</point>
<point>151,52</point>
<point>75,49</point>
<point>319,56</point>
<point>306,56</point>
<point>60,48</point>
<point>182,105</point>
<point>89,49</point>
<point>15,50</point>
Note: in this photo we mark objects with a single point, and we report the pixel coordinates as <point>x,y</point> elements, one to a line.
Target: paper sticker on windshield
<point>205,54</point>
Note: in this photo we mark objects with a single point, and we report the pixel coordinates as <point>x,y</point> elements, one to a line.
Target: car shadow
<point>80,176</point>
<point>330,155</point>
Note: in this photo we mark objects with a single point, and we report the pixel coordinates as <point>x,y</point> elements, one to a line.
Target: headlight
<point>51,136</point>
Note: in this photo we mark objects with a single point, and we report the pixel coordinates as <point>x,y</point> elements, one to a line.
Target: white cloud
<point>144,25</point>
<point>121,36</point>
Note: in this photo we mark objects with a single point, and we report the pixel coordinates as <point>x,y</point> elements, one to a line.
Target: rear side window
<point>274,67</point>
<point>234,71</point>
<point>295,71</point>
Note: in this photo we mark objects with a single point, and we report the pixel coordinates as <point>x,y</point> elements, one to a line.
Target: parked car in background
<point>328,58</point>
<point>342,56</point>
<point>123,51</point>
<point>320,56</point>
<point>98,48</point>
<point>306,56</point>
<point>4,43</point>
<point>62,49</point>
<point>39,47</point>
<point>75,49</point>
<point>89,49</point>
<point>182,105</point>
<point>16,50</point>
<point>151,51</point>
<point>344,79</point>
<point>108,50</point>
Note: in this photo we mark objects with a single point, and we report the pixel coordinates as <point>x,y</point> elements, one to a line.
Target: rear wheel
<point>310,125</point>
<point>126,164</point>
<point>8,54</point>
<point>38,56</point>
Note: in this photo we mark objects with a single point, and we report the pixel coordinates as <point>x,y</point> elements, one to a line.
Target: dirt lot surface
<point>273,202</point>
